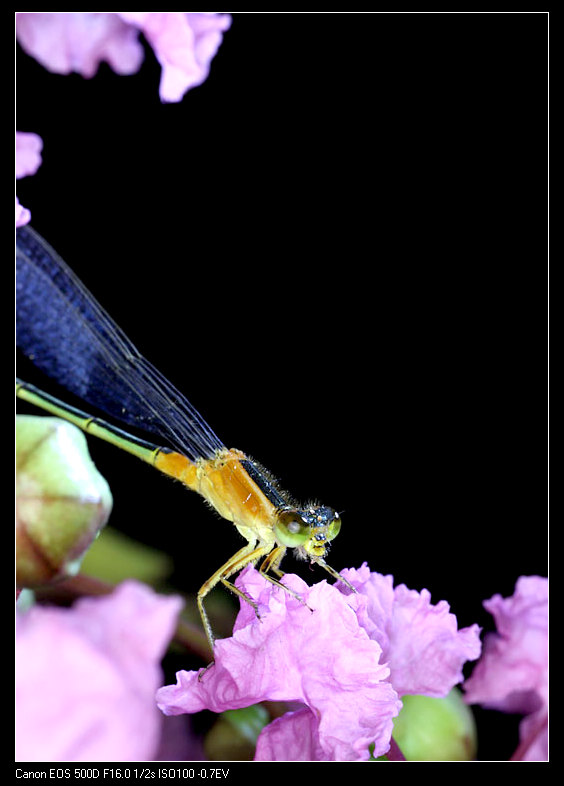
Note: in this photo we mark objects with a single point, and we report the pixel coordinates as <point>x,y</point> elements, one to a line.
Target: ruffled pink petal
<point>86,677</point>
<point>28,153</point>
<point>184,44</point>
<point>23,216</point>
<point>79,41</point>
<point>293,737</point>
<point>512,674</point>
<point>28,161</point>
<point>533,736</point>
<point>427,651</point>
<point>374,615</point>
<point>421,642</point>
<point>316,654</point>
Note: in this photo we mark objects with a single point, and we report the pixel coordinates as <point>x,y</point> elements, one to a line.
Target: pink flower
<point>23,216</point>
<point>512,674</point>
<point>28,153</point>
<point>316,654</point>
<point>420,642</point>
<point>184,43</point>
<point>28,161</point>
<point>329,656</point>
<point>86,677</point>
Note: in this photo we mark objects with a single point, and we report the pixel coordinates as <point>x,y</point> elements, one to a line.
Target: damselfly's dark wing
<point>69,336</point>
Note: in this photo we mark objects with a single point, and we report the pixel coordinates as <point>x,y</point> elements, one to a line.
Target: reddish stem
<point>394,754</point>
<point>533,735</point>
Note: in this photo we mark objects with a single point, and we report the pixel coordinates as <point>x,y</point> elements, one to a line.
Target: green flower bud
<point>430,729</point>
<point>62,501</point>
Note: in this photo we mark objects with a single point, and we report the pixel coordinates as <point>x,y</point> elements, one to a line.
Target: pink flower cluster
<point>512,674</point>
<point>345,658</point>
<point>184,44</point>
<point>341,660</point>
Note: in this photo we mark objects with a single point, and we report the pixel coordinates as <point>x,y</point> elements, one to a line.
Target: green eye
<point>290,529</point>
<point>334,528</point>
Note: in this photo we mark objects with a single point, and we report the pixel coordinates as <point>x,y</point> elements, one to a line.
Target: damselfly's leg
<point>272,561</point>
<point>334,573</point>
<point>248,554</point>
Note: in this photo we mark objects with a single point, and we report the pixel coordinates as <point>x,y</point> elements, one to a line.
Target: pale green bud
<point>62,501</point>
<point>430,729</point>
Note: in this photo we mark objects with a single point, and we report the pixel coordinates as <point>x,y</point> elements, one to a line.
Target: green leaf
<point>115,556</point>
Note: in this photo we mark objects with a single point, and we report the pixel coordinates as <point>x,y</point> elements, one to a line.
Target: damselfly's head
<point>309,529</point>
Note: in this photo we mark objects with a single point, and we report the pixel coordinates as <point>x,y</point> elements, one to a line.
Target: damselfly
<point>69,336</point>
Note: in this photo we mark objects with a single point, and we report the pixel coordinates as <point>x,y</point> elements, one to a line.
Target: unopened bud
<point>429,729</point>
<point>62,501</point>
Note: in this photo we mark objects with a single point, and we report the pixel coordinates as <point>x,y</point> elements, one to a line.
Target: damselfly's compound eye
<point>334,527</point>
<point>290,528</point>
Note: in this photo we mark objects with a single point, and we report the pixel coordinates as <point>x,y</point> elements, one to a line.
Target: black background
<point>337,248</point>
